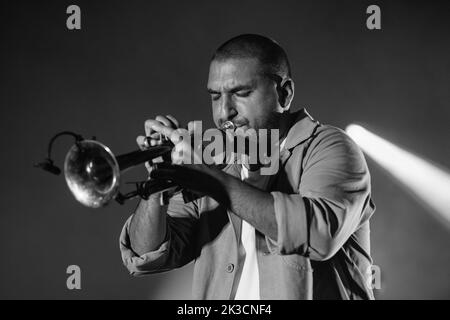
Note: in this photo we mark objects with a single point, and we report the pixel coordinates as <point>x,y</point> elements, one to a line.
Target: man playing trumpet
<point>300,232</point>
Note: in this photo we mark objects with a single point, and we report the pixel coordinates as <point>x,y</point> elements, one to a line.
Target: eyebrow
<point>232,90</point>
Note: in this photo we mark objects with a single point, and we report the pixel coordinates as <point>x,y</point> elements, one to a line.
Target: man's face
<point>242,94</point>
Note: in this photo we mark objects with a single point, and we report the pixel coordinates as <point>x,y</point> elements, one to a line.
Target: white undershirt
<point>248,288</point>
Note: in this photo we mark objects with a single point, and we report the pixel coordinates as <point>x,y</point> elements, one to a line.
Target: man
<point>301,233</point>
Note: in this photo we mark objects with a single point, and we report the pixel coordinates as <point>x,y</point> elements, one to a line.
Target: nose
<point>227,109</point>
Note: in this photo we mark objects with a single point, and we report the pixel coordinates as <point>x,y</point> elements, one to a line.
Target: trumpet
<point>93,173</point>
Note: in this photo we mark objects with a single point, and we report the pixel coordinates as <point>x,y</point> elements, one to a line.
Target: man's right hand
<point>154,138</point>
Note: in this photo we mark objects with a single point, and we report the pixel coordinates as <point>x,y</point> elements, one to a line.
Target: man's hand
<point>161,128</point>
<point>164,125</point>
<point>200,179</point>
<point>155,132</point>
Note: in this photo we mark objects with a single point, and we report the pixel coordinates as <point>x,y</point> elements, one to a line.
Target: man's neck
<point>286,122</point>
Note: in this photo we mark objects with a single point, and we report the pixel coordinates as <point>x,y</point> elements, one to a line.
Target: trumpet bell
<point>92,173</point>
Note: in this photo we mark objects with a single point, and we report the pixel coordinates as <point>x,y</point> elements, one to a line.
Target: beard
<point>271,121</point>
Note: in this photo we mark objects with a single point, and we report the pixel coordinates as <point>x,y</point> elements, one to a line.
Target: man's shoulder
<point>327,135</point>
<point>308,130</point>
<point>329,142</point>
<point>330,131</point>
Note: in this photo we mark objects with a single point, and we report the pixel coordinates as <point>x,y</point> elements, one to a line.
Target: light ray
<point>428,182</point>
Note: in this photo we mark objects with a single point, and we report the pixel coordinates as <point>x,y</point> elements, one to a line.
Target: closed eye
<point>215,96</point>
<point>243,93</point>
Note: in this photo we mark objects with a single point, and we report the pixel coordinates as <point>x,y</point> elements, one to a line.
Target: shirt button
<point>230,267</point>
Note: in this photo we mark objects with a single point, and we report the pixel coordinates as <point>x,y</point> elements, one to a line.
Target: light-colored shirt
<point>248,288</point>
<point>322,206</point>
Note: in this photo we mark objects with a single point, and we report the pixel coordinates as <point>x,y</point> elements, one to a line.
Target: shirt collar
<point>302,129</point>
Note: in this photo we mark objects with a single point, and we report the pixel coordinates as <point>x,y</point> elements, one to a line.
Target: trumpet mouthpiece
<point>227,125</point>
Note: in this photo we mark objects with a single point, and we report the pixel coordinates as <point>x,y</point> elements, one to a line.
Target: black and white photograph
<point>225,150</point>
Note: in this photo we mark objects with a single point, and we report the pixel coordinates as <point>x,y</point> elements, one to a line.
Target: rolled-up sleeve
<point>331,200</point>
<point>176,250</point>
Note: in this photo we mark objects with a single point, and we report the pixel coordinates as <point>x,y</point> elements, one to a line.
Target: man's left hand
<point>200,179</point>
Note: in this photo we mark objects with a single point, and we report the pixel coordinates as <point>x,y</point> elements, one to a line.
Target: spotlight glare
<point>428,182</point>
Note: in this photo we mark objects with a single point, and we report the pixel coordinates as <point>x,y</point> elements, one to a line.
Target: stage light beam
<point>428,182</point>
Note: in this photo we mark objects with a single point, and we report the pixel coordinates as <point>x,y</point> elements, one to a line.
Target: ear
<point>285,91</point>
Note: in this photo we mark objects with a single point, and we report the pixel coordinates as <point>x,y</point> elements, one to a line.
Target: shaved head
<point>271,57</point>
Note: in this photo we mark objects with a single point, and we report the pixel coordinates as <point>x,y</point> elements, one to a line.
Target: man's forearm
<point>251,204</point>
<point>148,225</point>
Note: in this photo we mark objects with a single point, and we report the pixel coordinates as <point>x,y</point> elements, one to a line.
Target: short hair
<point>269,53</point>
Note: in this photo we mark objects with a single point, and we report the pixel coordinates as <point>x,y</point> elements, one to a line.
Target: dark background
<point>133,60</point>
